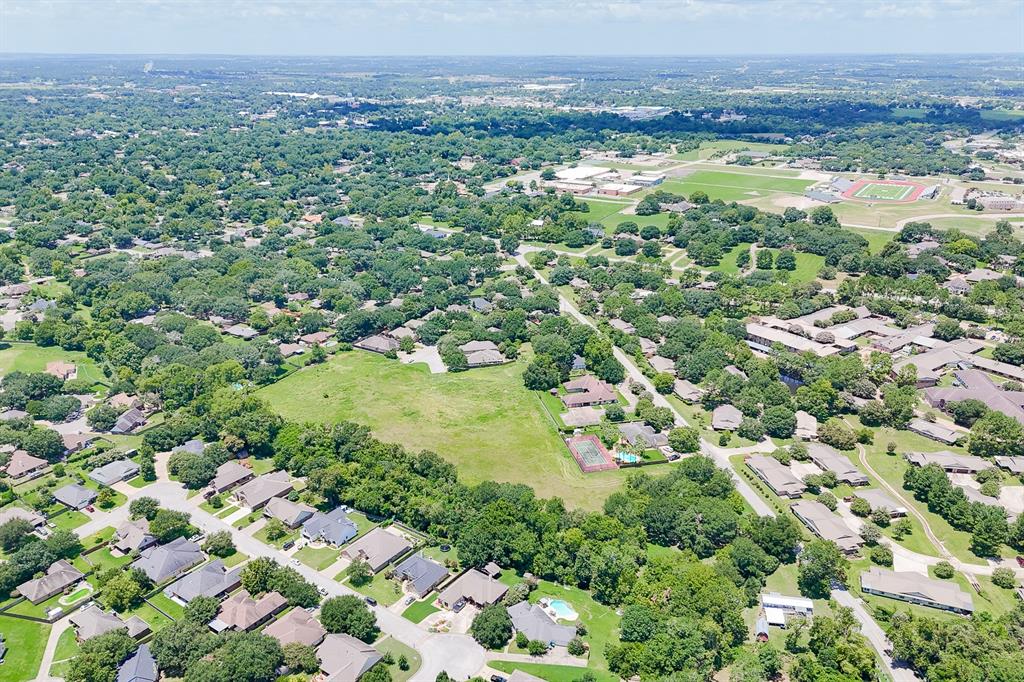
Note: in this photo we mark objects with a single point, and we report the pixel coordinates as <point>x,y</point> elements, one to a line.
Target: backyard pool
<point>560,609</point>
<point>627,457</point>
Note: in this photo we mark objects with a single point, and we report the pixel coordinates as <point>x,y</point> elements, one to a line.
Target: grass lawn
<point>484,420</point>
<point>234,559</point>
<point>69,520</point>
<point>154,618</point>
<point>552,673</point>
<point>67,648</point>
<point>99,537</point>
<point>728,262</point>
<point>261,535</point>
<point>437,555</point>
<point>397,649</point>
<point>807,266</point>
<point>247,520</point>
<point>729,186</point>
<point>25,641</point>
<point>385,591</point>
<point>139,482</point>
<point>602,622</point>
<point>167,605</point>
<point>419,610</point>
<point>708,149</point>
<point>891,468</point>
<point>102,559</point>
<point>317,557</point>
<point>28,357</point>
<point>261,466</point>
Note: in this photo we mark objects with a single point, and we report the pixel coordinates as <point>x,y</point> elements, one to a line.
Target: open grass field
<point>729,186</point>
<point>28,357</point>
<point>551,672</point>
<point>392,646</point>
<point>483,420</point>
<point>709,149</point>
<point>25,641</point>
<point>728,262</point>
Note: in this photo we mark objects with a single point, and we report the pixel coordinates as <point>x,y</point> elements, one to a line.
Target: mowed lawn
<point>483,420</point>
<point>28,357</point>
<point>25,640</point>
<point>733,186</point>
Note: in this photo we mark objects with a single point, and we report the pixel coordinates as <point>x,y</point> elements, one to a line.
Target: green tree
<point>350,615</point>
<point>821,564</point>
<point>359,572</point>
<point>492,627</point>
<point>684,439</point>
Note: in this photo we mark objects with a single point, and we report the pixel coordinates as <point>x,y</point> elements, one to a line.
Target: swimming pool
<point>561,609</point>
<point>627,457</point>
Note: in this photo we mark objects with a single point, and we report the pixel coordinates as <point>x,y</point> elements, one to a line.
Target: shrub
<point>882,555</point>
<point>860,507</point>
<point>537,647</point>
<point>1004,577</point>
<point>944,570</point>
<point>577,647</point>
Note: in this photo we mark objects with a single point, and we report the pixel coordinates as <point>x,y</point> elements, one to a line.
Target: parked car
<point>459,605</point>
<point>323,591</point>
<point>90,509</point>
<point>1020,561</point>
<point>296,562</point>
<point>371,601</point>
<point>410,599</point>
<point>498,678</point>
<point>288,545</point>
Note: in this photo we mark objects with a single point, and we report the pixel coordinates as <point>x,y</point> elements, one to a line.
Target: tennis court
<point>590,453</point>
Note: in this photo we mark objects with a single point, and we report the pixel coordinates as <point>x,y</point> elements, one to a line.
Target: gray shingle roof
<point>139,668</point>
<point>333,527</point>
<point>166,561</point>
<point>75,496</point>
<point>209,580</point>
<point>531,620</point>
<point>423,574</point>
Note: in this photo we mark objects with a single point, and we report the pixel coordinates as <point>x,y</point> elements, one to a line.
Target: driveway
<point>428,355</point>
<point>869,628</point>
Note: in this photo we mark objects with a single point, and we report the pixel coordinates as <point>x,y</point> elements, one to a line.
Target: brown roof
<point>242,612</point>
<point>296,626</point>
<point>22,464</point>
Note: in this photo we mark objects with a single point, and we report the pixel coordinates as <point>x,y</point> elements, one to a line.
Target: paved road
<point>459,655</point>
<point>869,628</point>
<point>719,455</point>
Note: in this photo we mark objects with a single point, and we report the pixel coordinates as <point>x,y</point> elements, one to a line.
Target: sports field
<point>733,186</point>
<point>483,420</point>
<point>877,190</point>
<point>888,190</point>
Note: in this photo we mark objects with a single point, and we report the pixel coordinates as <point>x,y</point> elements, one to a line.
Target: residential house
<point>343,658</point>
<point>421,575</point>
<point>879,500</point>
<point>950,462</point>
<point>291,514</point>
<point>114,472</point>
<point>936,432</point>
<point>124,401</point>
<point>686,391</point>
<point>140,667</point>
<point>59,575</point>
<point>319,338</point>
<point>378,548</point>
<point>24,465</point>
<point>533,621</point>
<point>242,331</point>
<point>1015,465</point>
<point>333,528</point>
<point>726,418</point>
<point>76,442</point>
<point>162,562</point>
<point>11,513</point>
<point>826,525</point>
<point>662,365</point>
<point>133,536</point>
<point>64,371</point>
<point>378,343</point>
<point>129,420</point>
<point>828,458</point>
<point>257,492</point>
<point>917,589</point>
<point>777,476</point>
<point>93,621</point>
<point>229,475</point>
<point>806,426</point>
<point>622,326</point>
<point>778,607</point>
<point>243,613</point>
<point>481,353</point>
<point>475,587</point>
<point>212,579</point>
<point>640,434</point>
<point>296,626</point>
<point>75,496</point>
<point>587,390</point>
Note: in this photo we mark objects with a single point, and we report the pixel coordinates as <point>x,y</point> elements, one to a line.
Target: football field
<point>884,190</point>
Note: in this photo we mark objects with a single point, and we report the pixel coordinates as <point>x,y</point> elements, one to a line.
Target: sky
<point>511,27</point>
